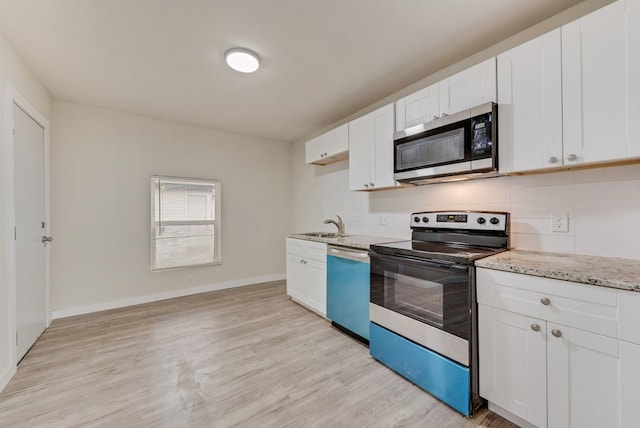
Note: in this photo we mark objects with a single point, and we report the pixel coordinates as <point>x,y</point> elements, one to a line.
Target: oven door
<point>423,300</point>
<point>432,292</point>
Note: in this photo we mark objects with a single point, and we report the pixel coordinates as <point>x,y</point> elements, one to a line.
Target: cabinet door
<point>633,74</point>
<point>512,357</point>
<point>530,103</point>
<point>361,136</point>
<point>381,172</point>
<point>371,150</point>
<point>419,107</point>
<point>583,378</point>
<point>595,85</point>
<point>295,266</point>
<point>328,147</point>
<point>629,383</point>
<point>469,88</point>
<point>314,286</point>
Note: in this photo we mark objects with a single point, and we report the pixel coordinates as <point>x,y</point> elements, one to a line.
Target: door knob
<point>572,157</point>
<point>535,327</point>
<point>556,333</point>
<point>545,301</point>
<point>46,239</point>
<point>553,159</point>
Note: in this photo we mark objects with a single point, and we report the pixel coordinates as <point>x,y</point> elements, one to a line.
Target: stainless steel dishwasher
<point>348,290</point>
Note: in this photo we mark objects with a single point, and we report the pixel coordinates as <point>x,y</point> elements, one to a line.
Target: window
<point>185,222</point>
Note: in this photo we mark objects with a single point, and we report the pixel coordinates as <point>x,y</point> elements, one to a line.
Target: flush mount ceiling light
<point>242,60</point>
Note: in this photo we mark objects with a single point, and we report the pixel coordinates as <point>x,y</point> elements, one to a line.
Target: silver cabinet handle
<point>545,301</point>
<point>535,327</point>
<point>444,115</point>
<point>366,184</point>
<point>572,157</point>
<point>46,239</point>
<point>553,159</point>
<point>371,184</point>
<point>556,333</point>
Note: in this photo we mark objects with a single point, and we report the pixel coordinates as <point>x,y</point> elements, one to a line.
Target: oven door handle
<point>420,262</point>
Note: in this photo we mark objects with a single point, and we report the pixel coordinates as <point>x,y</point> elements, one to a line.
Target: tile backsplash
<point>602,204</point>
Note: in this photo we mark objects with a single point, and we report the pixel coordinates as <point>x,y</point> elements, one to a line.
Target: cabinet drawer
<point>629,327</point>
<point>581,306</point>
<point>307,249</point>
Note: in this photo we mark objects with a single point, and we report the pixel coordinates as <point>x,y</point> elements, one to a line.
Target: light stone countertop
<point>361,242</point>
<point>610,272</point>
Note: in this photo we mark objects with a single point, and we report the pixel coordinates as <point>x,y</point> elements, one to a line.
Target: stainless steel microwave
<point>461,143</point>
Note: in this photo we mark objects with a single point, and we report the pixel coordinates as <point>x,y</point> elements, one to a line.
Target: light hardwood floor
<point>246,357</point>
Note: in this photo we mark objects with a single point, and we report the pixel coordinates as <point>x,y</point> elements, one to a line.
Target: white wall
<point>603,205</point>
<point>102,162</point>
<point>12,70</point>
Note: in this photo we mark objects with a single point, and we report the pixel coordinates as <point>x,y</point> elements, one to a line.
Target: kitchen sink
<point>321,234</point>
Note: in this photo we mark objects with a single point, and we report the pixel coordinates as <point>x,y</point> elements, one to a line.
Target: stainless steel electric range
<point>423,306</point>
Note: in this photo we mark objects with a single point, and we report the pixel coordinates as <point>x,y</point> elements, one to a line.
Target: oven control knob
<point>416,219</point>
<point>481,220</point>
<point>425,219</point>
<point>494,220</point>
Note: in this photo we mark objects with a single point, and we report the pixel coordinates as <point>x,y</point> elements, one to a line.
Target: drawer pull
<point>556,333</point>
<point>545,301</point>
<point>535,327</point>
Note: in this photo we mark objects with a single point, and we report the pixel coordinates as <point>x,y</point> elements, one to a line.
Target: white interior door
<point>30,217</point>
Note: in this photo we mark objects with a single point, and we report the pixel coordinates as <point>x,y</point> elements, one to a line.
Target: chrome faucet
<point>339,224</point>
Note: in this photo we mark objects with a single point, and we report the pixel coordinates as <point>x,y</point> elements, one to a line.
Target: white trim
<point>6,377</point>
<point>11,97</point>
<point>63,313</point>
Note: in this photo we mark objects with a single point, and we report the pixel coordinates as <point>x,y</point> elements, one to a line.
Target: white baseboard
<point>6,377</point>
<point>63,313</point>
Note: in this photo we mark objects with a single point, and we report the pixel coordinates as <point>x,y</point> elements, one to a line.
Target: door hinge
<point>15,234</point>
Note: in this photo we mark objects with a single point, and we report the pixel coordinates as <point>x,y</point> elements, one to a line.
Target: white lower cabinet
<point>513,363</point>
<point>583,378</point>
<point>540,372</point>
<point>307,274</point>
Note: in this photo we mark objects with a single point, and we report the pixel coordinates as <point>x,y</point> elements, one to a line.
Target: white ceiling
<point>322,60</point>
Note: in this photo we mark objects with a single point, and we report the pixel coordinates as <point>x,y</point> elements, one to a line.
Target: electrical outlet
<point>559,222</point>
<point>382,219</point>
<point>190,279</point>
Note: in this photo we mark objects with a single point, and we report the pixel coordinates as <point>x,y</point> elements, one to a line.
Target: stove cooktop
<point>436,251</point>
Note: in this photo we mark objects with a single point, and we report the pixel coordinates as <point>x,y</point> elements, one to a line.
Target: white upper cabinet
<point>419,107</point>
<point>328,147</point>
<point>371,150</point>
<point>600,84</point>
<point>469,88</point>
<point>530,105</point>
